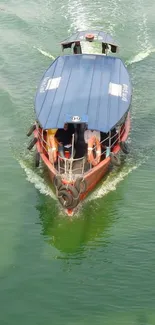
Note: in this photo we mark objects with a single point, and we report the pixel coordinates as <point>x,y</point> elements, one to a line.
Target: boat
<point>89,96</point>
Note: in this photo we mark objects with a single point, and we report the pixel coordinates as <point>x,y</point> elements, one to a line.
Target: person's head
<point>77,43</point>
<point>66,126</point>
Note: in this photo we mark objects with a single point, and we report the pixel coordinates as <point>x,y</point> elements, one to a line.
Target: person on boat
<point>104,48</point>
<point>77,48</point>
<point>88,134</point>
<point>52,131</point>
<point>51,145</point>
<point>64,138</point>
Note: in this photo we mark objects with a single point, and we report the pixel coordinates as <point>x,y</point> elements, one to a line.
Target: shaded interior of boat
<point>76,164</point>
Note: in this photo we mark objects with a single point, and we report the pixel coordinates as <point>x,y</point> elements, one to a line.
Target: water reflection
<point>73,235</point>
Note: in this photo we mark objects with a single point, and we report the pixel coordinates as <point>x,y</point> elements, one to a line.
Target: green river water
<point>99,266</point>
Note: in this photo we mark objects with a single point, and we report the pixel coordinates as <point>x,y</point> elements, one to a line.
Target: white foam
<point>143,37</point>
<point>140,56</point>
<point>115,14</point>
<point>115,177</point>
<point>37,180</point>
<point>110,184</point>
<point>47,54</point>
<point>78,15</point>
<point>80,21</point>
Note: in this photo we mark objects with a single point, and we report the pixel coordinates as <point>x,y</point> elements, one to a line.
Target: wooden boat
<point>91,95</point>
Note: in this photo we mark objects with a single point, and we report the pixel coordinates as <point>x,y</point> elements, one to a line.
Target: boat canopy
<point>85,88</point>
<point>91,36</point>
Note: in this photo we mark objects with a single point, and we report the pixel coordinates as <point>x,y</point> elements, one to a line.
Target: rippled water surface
<point>99,266</point>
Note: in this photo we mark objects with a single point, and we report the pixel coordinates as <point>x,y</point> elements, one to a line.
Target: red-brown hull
<point>93,176</point>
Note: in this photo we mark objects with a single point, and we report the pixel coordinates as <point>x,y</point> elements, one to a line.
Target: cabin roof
<point>89,88</point>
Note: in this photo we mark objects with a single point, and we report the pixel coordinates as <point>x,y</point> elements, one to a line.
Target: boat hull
<point>91,177</point>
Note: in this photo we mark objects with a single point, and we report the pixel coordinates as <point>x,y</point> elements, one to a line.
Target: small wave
<point>115,15</point>
<point>115,177</point>
<point>143,37</point>
<point>80,21</point>
<point>78,15</point>
<point>140,56</point>
<point>110,184</point>
<point>47,54</point>
<point>38,182</point>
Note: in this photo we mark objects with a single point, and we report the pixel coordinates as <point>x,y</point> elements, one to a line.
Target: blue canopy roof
<point>89,88</point>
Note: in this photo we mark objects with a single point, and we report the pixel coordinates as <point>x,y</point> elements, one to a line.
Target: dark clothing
<point>64,136</point>
<point>71,128</point>
<point>77,49</point>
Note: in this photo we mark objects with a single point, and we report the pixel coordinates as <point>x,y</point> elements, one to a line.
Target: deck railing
<point>70,168</point>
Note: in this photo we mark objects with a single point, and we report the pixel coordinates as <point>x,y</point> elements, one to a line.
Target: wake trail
<point>80,21</point>
<point>115,177</point>
<point>143,37</point>
<point>37,180</point>
<point>140,56</point>
<point>47,54</point>
<point>110,184</point>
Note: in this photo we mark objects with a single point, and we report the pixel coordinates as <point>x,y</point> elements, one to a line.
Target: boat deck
<point>73,169</point>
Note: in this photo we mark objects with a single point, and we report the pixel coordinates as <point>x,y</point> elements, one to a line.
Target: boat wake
<point>37,180</point>
<point>107,186</point>
<point>110,184</point>
<point>80,21</point>
<point>47,54</point>
<point>78,16</point>
<point>140,56</point>
<point>143,36</point>
<point>116,176</point>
